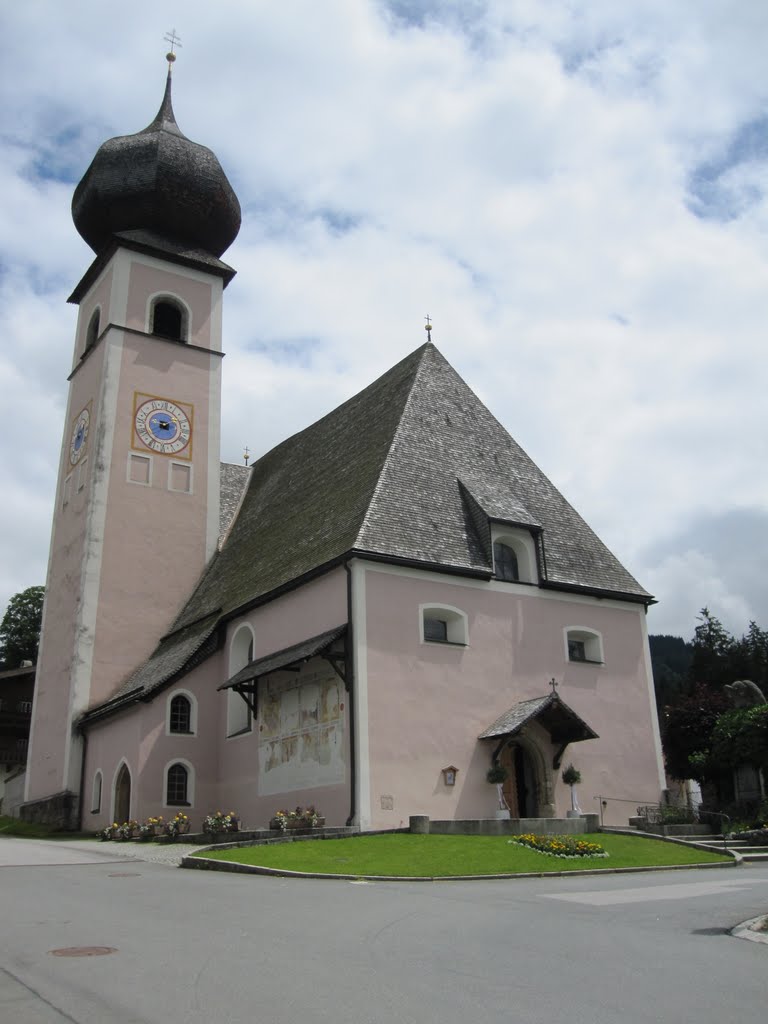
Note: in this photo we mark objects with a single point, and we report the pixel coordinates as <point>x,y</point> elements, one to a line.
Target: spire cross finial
<point>246,455</point>
<point>554,685</point>
<point>428,326</point>
<point>174,40</point>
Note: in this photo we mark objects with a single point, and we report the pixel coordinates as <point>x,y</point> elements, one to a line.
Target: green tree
<point>687,729</point>
<point>20,628</point>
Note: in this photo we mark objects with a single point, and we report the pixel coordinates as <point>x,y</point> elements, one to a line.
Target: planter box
<point>294,824</point>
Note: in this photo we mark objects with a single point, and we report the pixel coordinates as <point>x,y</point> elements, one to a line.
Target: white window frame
<point>237,711</point>
<point>190,782</point>
<point>139,456</point>
<point>522,543</point>
<point>172,299</point>
<point>189,468</point>
<point>97,791</point>
<point>456,624</point>
<point>192,713</point>
<point>593,645</point>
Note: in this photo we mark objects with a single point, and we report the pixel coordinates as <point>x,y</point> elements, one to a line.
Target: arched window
<point>442,624</point>
<point>177,785</point>
<point>92,334</point>
<point>168,319</point>
<point>180,716</point>
<point>96,796</point>
<point>505,562</point>
<point>584,645</point>
<point>240,654</point>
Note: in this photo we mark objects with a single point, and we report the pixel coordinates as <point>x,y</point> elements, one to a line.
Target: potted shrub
<point>572,777</point>
<point>497,776</point>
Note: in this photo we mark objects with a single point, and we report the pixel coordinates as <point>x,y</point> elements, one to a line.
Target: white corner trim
<point>360,662</point>
<point>652,703</point>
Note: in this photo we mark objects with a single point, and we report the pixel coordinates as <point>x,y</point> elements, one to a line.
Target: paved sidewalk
<point>154,853</point>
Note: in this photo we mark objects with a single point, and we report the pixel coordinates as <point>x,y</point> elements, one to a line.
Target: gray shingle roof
<point>232,483</point>
<point>562,722</point>
<point>409,469</point>
<point>289,656</point>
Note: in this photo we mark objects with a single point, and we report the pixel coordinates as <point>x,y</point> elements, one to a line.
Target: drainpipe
<point>349,672</point>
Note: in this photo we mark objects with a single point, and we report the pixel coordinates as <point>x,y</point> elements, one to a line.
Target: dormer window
<point>168,320</point>
<point>505,562</point>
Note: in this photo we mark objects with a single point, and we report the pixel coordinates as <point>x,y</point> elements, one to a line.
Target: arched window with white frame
<point>239,717</point>
<point>514,555</point>
<point>179,784</point>
<point>583,644</point>
<point>169,318</point>
<point>98,783</point>
<point>92,333</point>
<point>443,624</point>
<point>181,714</point>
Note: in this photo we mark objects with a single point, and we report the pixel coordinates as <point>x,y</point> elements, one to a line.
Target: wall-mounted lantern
<point>449,775</point>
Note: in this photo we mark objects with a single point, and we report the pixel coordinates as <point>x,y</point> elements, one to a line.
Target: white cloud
<point>521,171</point>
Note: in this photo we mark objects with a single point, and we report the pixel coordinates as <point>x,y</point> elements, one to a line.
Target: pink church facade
<point>366,620</point>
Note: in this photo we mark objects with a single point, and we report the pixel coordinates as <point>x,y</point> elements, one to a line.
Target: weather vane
<point>174,40</point>
<point>246,455</point>
<point>554,685</point>
<point>428,327</point>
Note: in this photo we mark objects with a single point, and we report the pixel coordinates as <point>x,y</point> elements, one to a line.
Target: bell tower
<point>137,503</point>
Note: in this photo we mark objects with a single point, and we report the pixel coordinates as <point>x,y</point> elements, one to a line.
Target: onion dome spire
<point>158,183</point>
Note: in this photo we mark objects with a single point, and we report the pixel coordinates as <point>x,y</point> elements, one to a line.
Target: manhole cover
<point>124,874</point>
<point>83,951</point>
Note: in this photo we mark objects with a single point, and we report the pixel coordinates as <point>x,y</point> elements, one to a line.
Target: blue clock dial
<point>79,437</point>
<point>163,426</point>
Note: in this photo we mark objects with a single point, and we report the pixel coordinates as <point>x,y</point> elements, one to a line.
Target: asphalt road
<point>195,946</point>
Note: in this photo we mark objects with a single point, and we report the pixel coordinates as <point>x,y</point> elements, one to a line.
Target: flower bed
<point>560,846</point>
<point>216,824</point>
<point>299,818</point>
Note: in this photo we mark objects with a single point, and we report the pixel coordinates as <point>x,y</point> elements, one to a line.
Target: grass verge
<point>446,856</point>
<point>26,830</point>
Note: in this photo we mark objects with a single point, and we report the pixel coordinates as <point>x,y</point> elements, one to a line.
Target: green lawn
<point>443,856</point>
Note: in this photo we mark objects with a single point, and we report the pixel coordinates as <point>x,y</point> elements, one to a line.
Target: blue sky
<point>576,196</point>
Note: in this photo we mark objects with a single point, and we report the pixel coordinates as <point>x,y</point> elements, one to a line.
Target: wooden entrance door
<point>520,785</point>
<point>123,795</point>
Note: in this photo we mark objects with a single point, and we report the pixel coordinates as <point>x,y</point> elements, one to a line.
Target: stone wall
<point>59,811</point>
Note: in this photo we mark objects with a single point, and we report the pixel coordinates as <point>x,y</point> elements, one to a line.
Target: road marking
<point>680,891</point>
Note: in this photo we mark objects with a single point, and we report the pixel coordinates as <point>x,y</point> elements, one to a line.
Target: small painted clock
<point>163,426</point>
<point>79,437</point>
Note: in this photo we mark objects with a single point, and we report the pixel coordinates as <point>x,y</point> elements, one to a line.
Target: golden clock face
<point>163,426</point>
<point>79,437</point>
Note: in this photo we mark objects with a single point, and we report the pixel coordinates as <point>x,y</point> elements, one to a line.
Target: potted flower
<point>299,818</point>
<point>178,825</point>
<point>572,777</point>
<point>220,823</point>
<point>497,776</point>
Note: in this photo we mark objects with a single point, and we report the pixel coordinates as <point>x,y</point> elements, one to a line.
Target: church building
<point>366,619</point>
